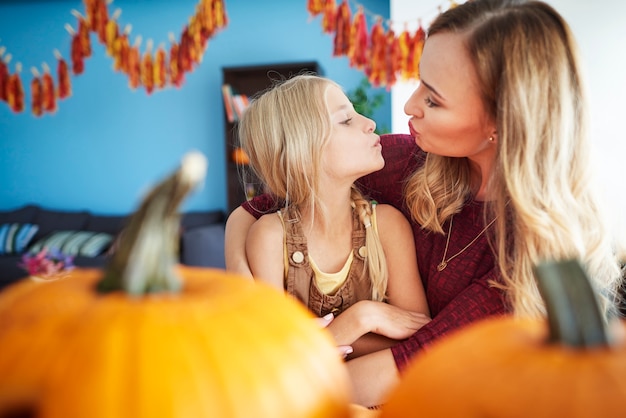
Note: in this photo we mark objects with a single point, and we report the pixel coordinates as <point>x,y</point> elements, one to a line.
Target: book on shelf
<point>235,104</point>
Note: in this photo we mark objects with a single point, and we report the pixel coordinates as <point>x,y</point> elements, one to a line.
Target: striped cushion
<point>15,237</point>
<point>83,243</point>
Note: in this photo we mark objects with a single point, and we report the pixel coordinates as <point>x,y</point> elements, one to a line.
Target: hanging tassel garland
<point>384,57</point>
<point>152,69</point>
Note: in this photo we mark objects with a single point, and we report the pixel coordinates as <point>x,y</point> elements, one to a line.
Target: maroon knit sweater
<point>459,294</point>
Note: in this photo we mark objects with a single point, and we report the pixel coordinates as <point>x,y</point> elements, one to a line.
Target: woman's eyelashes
<point>430,103</point>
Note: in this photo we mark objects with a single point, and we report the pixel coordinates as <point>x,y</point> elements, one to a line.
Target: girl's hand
<point>376,317</point>
<point>344,350</point>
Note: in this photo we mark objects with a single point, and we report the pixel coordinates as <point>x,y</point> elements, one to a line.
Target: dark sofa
<point>201,238</point>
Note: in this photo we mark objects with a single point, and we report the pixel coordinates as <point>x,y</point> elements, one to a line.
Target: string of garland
<point>152,70</point>
<point>382,54</point>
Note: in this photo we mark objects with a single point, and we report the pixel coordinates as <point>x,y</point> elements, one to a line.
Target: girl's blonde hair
<point>541,188</point>
<point>284,131</point>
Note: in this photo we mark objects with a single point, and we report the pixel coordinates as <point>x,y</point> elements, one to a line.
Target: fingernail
<point>329,316</point>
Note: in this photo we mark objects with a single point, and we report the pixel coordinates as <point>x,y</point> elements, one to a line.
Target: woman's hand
<point>377,317</point>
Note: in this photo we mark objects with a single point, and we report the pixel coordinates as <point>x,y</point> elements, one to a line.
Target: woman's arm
<point>373,376</point>
<point>237,226</point>
<point>404,288</point>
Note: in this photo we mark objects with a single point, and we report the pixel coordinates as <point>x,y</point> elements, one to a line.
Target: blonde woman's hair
<point>541,189</point>
<point>284,131</point>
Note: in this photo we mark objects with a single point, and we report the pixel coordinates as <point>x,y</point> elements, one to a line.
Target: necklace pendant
<point>441,266</point>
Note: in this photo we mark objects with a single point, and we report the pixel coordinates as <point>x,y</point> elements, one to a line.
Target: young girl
<point>328,246</point>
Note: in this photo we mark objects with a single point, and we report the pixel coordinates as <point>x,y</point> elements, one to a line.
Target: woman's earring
<point>491,139</point>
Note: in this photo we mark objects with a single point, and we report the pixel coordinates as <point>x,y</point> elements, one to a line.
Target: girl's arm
<point>237,226</point>
<point>264,251</point>
<point>371,326</point>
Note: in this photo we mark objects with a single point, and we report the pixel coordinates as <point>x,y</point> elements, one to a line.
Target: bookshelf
<point>241,84</point>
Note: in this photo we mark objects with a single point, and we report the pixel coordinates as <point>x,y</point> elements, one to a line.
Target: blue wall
<point>107,144</point>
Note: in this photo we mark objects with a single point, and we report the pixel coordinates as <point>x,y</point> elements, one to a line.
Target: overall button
<point>363,251</point>
<point>297,257</point>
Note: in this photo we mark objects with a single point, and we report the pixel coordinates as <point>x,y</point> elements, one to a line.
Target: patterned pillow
<point>15,237</point>
<point>83,243</point>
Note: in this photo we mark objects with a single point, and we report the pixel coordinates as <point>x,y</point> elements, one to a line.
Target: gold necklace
<point>444,263</point>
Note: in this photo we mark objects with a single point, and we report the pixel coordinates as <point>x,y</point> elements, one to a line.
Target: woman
<point>498,177</point>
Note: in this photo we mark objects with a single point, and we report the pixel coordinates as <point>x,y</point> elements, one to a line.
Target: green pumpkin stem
<point>574,315</point>
<point>147,251</point>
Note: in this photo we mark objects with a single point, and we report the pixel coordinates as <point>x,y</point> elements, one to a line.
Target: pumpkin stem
<point>574,315</point>
<point>147,251</point>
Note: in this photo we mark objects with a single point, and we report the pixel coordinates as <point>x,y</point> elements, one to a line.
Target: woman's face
<point>447,114</point>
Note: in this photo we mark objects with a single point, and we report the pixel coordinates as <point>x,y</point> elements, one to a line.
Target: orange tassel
<point>15,90</point>
<point>206,19</point>
<point>63,77</point>
<point>357,52</point>
<point>220,17</point>
<point>134,65</point>
<point>160,69</point>
<point>102,14</point>
<point>405,47</point>
<point>4,73</point>
<point>342,32</point>
<point>48,94</point>
<point>315,7</point>
<point>91,12</point>
<point>329,21</point>
<point>121,48</point>
<point>377,67</point>
<point>36,93</point>
<point>112,32</point>
<point>147,68</point>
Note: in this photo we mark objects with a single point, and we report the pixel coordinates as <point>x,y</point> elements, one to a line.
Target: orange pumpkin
<point>220,346</point>
<point>507,367</point>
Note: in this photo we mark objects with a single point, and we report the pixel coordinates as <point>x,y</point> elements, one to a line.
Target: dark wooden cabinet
<point>249,80</point>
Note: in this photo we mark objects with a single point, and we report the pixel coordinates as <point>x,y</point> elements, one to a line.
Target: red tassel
<point>415,54</point>
<point>329,21</point>
<point>4,74</point>
<point>48,94</point>
<point>342,32</point>
<point>15,90</point>
<point>176,75</point>
<point>393,58</point>
<point>63,77</point>
<point>102,19</point>
<point>36,93</point>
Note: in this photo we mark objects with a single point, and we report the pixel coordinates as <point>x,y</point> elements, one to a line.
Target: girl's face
<point>353,149</point>
<point>448,117</point>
